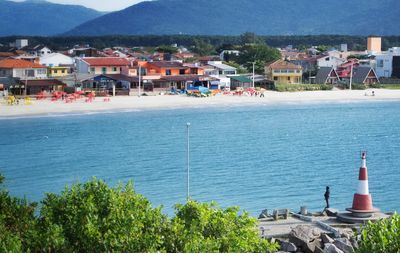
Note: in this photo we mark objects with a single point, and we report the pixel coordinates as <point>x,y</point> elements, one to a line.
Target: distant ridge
<point>266,17</point>
<point>37,17</point>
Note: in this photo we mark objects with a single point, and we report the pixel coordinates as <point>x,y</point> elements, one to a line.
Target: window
<point>167,72</point>
<point>380,63</point>
<point>55,71</point>
<point>327,59</point>
<point>92,70</point>
<point>103,70</point>
<point>181,72</point>
<point>288,78</point>
<point>114,69</point>
<point>63,71</point>
<point>275,78</point>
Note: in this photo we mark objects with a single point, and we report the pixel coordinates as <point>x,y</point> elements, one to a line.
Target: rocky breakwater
<point>310,239</point>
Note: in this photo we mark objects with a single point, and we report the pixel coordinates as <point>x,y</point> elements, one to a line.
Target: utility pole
<point>254,63</point>
<point>188,162</point>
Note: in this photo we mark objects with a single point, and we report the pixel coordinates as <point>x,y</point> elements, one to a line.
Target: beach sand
<point>133,103</point>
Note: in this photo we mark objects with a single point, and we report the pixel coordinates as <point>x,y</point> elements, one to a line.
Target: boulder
<point>319,250</point>
<point>288,246</point>
<point>333,249</point>
<point>346,233</point>
<point>305,232</point>
<point>344,245</point>
<point>331,212</point>
<point>326,238</point>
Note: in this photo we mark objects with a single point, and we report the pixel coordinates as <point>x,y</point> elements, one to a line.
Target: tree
<point>260,54</point>
<point>96,218</point>
<point>202,47</point>
<point>381,236</point>
<point>249,38</point>
<point>17,223</point>
<point>199,227</point>
<point>167,49</point>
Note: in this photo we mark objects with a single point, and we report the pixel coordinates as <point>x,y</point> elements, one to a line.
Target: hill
<point>41,17</point>
<point>266,17</point>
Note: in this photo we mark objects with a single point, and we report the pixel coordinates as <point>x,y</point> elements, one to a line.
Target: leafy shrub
<point>283,87</point>
<point>202,227</point>
<point>382,236</point>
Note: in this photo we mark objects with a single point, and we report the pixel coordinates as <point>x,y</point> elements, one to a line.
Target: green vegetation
<point>94,217</point>
<point>391,86</point>
<point>382,236</point>
<point>282,87</point>
<point>217,41</point>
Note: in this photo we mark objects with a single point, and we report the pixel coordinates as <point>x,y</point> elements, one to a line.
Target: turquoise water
<point>254,157</point>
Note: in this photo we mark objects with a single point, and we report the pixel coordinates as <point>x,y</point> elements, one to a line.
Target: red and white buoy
<point>362,200</point>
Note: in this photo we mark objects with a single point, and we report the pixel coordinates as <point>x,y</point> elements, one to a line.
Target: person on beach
<point>326,195</point>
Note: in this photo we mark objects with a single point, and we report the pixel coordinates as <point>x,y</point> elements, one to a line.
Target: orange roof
<point>19,64</point>
<point>107,61</point>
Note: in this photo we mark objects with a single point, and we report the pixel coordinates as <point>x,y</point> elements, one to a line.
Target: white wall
<point>55,60</point>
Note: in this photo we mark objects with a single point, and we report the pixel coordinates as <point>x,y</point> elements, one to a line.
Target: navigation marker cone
<point>362,200</point>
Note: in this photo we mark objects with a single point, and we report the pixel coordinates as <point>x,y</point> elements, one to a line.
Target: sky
<point>100,5</point>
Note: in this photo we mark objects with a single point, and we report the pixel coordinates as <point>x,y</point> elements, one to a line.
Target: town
<point>38,71</point>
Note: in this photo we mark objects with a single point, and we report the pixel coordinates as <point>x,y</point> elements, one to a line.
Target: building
<point>374,45</point>
<point>240,82</point>
<point>38,50</point>
<point>329,61</point>
<point>222,68</point>
<point>327,75</point>
<point>22,69</point>
<point>365,75</point>
<point>102,65</point>
<point>388,63</point>
<point>282,71</point>
<point>58,64</point>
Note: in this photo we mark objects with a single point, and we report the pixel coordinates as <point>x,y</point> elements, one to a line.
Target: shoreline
<point>47,108</point>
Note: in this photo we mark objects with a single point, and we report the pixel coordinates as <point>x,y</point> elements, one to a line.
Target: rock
<point>305,232</point>
<point>333,249</point>
<point>296,240</point>
<point>319,250</point>
<point>288,246</point>
<point>354,243</point>
<point>344,244</point>
<point>326,238</point>
<point>331,212</point>
<point>346,233</point>
<point>327,245</point>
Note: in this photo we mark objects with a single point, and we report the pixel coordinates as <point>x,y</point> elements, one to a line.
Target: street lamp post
<point>140,77</point>
<point>188,161</point>
<point>351,75</point>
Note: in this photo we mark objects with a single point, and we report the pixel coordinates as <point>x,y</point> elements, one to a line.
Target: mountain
<point>233,17</point>
<point>41,17</point>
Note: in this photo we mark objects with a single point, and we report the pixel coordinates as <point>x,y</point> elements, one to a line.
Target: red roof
<point>107,61</point>
<point>19,64</point>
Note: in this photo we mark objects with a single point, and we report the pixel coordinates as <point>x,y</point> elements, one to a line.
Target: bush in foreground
<point>382,236</point>
<point>93,217</point>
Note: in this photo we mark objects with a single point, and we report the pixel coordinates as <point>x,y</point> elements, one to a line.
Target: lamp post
<point>140,77</point>
<point>188,162</point>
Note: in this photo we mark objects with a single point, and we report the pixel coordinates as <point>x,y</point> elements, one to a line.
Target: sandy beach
<point>47,107</point>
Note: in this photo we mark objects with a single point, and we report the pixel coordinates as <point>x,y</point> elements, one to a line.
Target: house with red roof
<point>22,69</point>
<point>102,65</point>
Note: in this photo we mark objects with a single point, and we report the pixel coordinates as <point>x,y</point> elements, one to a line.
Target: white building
<point>386,62</point>
<point>56,60</point>
<point>329,61</point>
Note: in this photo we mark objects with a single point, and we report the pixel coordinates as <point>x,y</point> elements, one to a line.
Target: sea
<point>254,157</point>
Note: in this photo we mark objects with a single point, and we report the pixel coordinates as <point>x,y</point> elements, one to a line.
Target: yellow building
<point>282,71</point>
<point>58,71</point>
<point>374,44</point>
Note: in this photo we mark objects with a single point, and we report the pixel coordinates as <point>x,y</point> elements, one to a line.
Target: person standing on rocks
<point>326,195</point>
